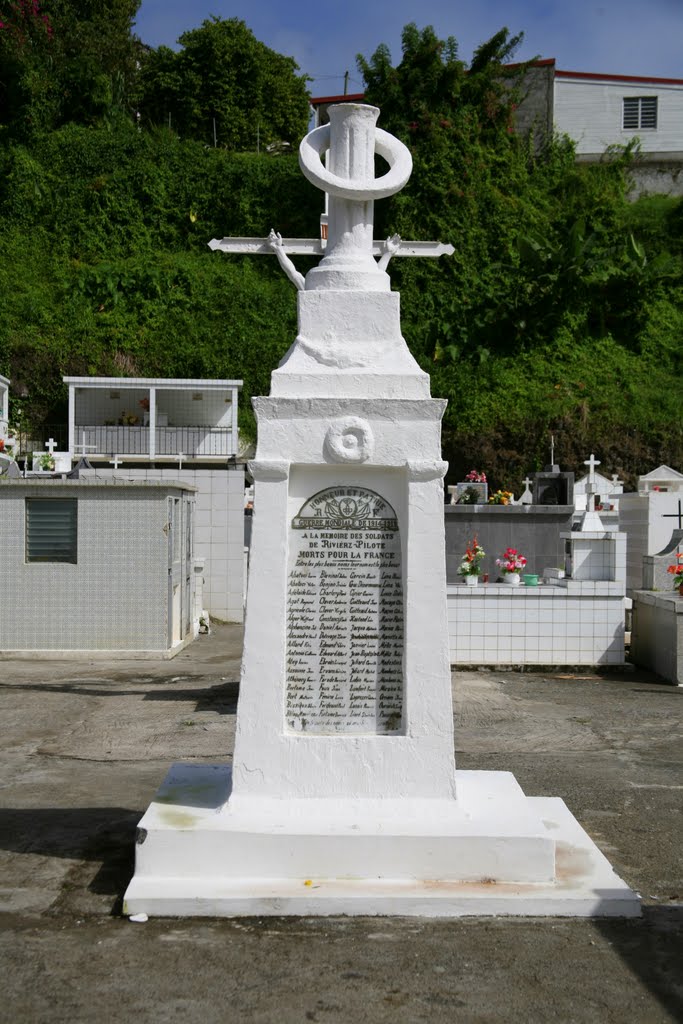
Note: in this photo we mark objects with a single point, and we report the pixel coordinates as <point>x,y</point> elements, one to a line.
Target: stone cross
<point>615,479</point>
<point>82,446</point>
<point>591,520</point>
<point>181,456</point>
<point>552,449</point>
<point>590,486</point>
<point>526,497</point>
<point>351,189</point>
<point>51,445</point>
<point>591,463</point>
<point>115,461</point>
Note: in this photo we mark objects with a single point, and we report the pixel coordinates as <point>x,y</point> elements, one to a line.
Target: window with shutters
<point>640,112</point>
<point>51,530</point>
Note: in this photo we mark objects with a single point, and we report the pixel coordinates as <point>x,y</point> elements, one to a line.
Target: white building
<point>598,111</point>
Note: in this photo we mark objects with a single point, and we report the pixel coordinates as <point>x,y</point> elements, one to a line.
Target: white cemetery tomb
<point>162,429</point>
<point>92,565</point>
<point>657,622</point>
<point>574,617</point>
<point>153,419</point>
<point>607,492</point>
<point>343,796</point>
<point>648,519</point>
<point>51,460</point>
<point>664,478</point>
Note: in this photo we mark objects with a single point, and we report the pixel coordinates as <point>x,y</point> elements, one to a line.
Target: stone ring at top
<point>388,146</point>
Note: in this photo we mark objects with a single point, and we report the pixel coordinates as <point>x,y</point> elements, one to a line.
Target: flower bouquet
<point>470,566</point>
<point>501,498</point>
<point>677,573</point>
<point>511,563</point>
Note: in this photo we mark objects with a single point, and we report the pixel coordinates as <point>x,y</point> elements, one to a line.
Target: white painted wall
<point>219,530</point>
<point>590,112</point>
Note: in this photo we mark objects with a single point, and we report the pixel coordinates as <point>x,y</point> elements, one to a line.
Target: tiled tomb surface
<point>572,623</point>
<point>115,597</point>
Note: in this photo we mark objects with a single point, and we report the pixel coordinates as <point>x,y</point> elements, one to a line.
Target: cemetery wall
<point>114,597</point>
<point>534,530</point>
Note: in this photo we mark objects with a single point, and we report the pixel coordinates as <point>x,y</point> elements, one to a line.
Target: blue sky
<point>619,37</point>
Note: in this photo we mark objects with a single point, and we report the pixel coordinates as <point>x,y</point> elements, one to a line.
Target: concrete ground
<point>85,744</point>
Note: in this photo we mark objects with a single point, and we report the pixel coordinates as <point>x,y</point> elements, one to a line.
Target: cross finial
<point>591,463</point>
<point>51,445</point>
<point>115,461</point>
<point>527,482</point>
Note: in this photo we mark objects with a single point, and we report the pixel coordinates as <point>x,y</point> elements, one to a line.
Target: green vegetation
<point>560,310</point>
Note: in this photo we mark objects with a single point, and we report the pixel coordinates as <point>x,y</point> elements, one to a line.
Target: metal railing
<point>195,441</point>
<point>36,438</point>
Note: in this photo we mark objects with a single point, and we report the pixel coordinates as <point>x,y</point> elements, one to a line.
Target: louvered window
<point>51,530</point>
<point>640,112</point>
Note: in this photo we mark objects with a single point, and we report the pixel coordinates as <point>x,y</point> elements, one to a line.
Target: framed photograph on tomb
<point>469,492</point>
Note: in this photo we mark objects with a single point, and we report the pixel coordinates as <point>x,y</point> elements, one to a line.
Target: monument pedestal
<point>493,851</point>
<point>343,797</point>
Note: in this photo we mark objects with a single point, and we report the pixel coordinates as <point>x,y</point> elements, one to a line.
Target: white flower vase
<point>511,578</point>
<point>471,581</point>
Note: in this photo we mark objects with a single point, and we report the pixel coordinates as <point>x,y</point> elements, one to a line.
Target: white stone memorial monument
<point>343,797</point>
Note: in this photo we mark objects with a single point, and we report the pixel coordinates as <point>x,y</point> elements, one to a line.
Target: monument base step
<point>197,856</point>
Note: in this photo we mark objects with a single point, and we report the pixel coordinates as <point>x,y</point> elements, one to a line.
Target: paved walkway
<point>85,744</point>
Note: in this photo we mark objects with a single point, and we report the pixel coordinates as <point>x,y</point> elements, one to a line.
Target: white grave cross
<point>51,445</point>
<point>591,520</point>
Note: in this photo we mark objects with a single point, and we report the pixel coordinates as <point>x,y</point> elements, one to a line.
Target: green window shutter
<point>51,530</point>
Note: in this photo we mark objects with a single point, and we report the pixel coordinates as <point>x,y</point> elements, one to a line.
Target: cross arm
<point>314,247</point>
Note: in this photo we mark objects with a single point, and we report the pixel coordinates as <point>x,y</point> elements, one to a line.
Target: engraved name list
<point>345,615</point>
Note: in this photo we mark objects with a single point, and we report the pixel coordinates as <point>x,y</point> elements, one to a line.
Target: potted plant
<point>677,573</point>
<point>47,462</point>
<point>470,566</point>
<point>511,563</point>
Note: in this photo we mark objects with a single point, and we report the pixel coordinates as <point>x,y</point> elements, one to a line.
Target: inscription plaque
<point>345,615</point>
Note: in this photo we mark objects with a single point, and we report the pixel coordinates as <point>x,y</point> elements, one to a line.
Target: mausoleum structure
<point>648,519</point>
<point>657,621</point>
<point>343,797</point>
<point>160,428</point>
<point>153,419</point>
<point>96,566</point>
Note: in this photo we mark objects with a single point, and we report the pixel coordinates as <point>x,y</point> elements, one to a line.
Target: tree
<point>551,311</point>
<point>65,61</point>
<point>224,77</point>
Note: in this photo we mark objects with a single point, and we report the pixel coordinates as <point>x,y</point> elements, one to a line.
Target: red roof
<point>591,76</point>
<point>352,97</point>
